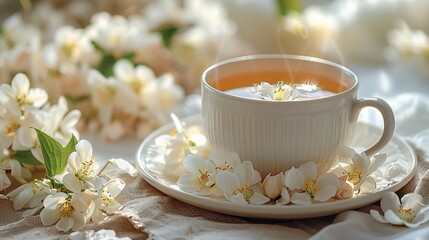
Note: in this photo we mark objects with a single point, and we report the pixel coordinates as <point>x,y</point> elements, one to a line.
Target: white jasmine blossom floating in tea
<point>282,91</point>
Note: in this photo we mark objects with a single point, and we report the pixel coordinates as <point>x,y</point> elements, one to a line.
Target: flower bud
<point>272,185</point>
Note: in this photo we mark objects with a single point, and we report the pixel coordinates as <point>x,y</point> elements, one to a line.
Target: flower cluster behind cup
<point>125,72</point>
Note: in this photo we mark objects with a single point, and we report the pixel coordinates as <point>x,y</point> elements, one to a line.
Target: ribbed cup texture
<point>275,145</point>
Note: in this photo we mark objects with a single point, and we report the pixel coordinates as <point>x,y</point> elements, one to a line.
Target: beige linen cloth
<point>148,213</point>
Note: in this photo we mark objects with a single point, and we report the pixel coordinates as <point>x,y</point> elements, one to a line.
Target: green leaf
<point>129,56</point>
<point>70,147</point>
<point>98,47</point>
<point>106,65</point>
<point>284,7</point>
<point>167,34</point>
<point>26,157</point>
<point>54,153</point>
<point>55,183</point>
<point>72,100</point>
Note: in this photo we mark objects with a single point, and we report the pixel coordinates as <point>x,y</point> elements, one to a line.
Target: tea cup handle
<point>388,120</point>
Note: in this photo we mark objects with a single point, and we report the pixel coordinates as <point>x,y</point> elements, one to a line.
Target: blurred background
<point>65,47</point>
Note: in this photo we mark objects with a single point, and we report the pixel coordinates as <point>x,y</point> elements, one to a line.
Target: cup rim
<point>340,67</point>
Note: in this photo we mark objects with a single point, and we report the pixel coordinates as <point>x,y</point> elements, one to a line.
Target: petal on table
<point>115,186</point>
<point>78,221</point>
<point>22,198</point>
<point>98,216</point>
<point>412,201</point>
<point>376,215</point>
<point>124,166</point>
<point>49,216</point>
<point>390,201</point>
<point>422,217</point>
<point>31,211</point>
<point>36,200</point>
<point>64,224</point>
<point>392,218</point>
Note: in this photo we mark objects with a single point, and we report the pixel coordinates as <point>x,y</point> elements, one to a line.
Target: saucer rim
<point>223,206</point>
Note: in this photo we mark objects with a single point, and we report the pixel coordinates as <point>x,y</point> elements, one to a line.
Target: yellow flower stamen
<point>246,190</point>
<point>106,94</point>
<point>66,209</point>
<point>174,132</point>
<point>107,198</point>
<point>68,48</point>
<point>203,178</point>
<point>406,214</point>
<point>354,176</point>
<point>11,129</point>
<point>37,186</point>
<point>226,167</point>
<point>85,169</point>
<point>278,93</point>
<point>310,186</point>
<point>136,85</point>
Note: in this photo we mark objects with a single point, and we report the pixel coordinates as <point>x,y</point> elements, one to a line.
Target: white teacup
<point>276,135</point>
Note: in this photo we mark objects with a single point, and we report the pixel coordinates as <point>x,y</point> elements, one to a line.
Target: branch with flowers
<point>34,133</point>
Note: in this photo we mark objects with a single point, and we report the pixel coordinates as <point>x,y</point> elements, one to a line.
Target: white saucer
<point>398,151</point>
